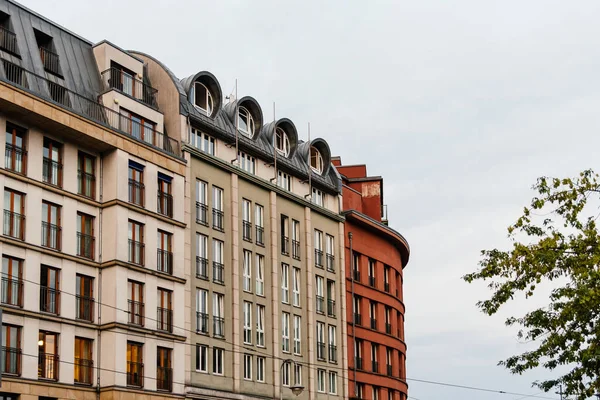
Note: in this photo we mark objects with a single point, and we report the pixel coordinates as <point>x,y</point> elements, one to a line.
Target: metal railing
<point>136,252</point>
<point>14,225</point>
<point>320,351</point>
<point>331,308</point>
<point>85,308</point>
<point>49,300</point>
<point>11,360</point>
<point>51,236</point>
<point>295,249</point>
<point>201,268</point>
<point>84,370</point>
<point>319,258</point>
<point>86,184</point>
<point>114,78</point>
<point>219,327</point>
<point>12,292</point>
<point>373,323</point>
<point>333,353</point>
<point>320,304</point>
<point>164,379</point>
<point>52,172</point>
<point>201,213</point>
<point>48,366</point>
<point>330,262</point>
<point>135,374</point>
<point>50,60</point>
<point>164,319</point>
<point>218,220</point>
<point>372,281</point>
<point>218,272</point>
<point>85,245</point>
<point>15,159</point>
<point>135,312</point>
<point>164,261</point>
<point>136,192</point>
<point>88,107</point>
<point>247,230</point>
<point>358,363</point>
<point>374,366</point>
<point>260,233</point>
<point>285,245</point>
<point>165,204</point>
<point>357,319</point>
<point>8,41</point>
<point>201,322</point>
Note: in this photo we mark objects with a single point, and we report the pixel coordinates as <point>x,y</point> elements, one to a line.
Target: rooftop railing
<point>8,41</point>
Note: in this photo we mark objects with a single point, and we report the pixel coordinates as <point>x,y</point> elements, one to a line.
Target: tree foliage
<point>555,240</point>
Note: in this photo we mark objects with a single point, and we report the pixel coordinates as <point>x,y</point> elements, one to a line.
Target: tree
<point>555,240</point>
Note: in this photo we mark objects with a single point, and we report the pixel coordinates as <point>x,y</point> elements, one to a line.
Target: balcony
<point>12,292</point>
<point>11,361</point>
<point>135,374</point>
<point>389,370</point>
<point>15,159</point>
<point>332,353</point>
<point>319,258</point>
<point>85,245</point>
<point>330,261</point>
<point>48,366</point>
<point>86,106</point>
<point>136,192</point>
<point>84,370</point>
<point>202,322</point>
<point>320,304</point>
<point>201,213</point>
<point>14,225</point>
<point>372,281</point>
<point>165,204</point>
<point>388,328</point>
<point>295,249</point>
<point>375,366</point>
<point>218,220</point>
<point>136,252</point>
<point>86,184</point>
<point>114,78</point>
<point>358,363</point>
<point>218,273</point>
<point>247,231</point>
<point>164,319</point>
<point>219,327</point>
<point>135,312</point>
<point>49,300</point>
<point>260,235</point>
<point>357,319</point>
<point>201,268</point>
<point>8,41</point>
<point>51,236</point>
<point>51,61</point>
<point>164,261</point>
<point>285,245</point>
<point>164,379</point>
<point>373,323</point>
<point>85,308</point>
<point>331,308</point>
<point>321,351</point>
<point>52,172</point>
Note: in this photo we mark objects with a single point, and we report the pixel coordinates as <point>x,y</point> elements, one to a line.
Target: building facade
<point>375,258</point>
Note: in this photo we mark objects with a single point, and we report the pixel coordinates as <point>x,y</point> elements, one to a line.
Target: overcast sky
<point>458,105</point>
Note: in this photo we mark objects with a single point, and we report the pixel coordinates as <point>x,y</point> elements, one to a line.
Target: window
<point>135,364</point>
<point>390,394</point>
<point>332,382</point>
<point>296,287</point>
<point>86,176</point>
<point>321,380</point>
<point>83,367</point>
<point>330,253</point>
<point>247,322</point>
<point>332,344</point>
<point>285,236</point>
<point>373,314</point>
<point>320,341</point>
<point>330,298</point>
<point>285,332</point>
<point>298,374</point>
<point>12,281</point>
<point>282,142</point>
<point>202,98</point>
<point>246,221</point>
<point>138,127</point>
<point>218,266</point>
<point>15,158</point>
<point>52,162</point>
<point>136,243</point>
<point>388,320</point>
<point>260,228</point>
<point>247,271</point>
<point>218,315</point>
<point>122,79</point>
<point>86,242</point>
<point>136,183</point>
<point>218,355</point>
<point>217,208</point>
<point>375,395</point>
<point>202,202</point>
<point>260,369</point>
<point>358,344</point>
<point>372,272</point>
<point>136,302</point>
<point>359,390</point>
<point>164,320</point>
<point>201,311</point>
<point>356,306</point>
<point>386,278</point>
<point>201,256</point>
<point>51,230</point>
<point>285,374</point>
<point>49,290</point>
<point>202,141</point>
<point>388,360</point>
<point>14,214</point>
<point>260,325</point>
<point>374,351</point>
<point>318,197</point>
<point>297,334</point>
<point>164,370</point>
<point>245,121</point>
<point>316,160</point>
<point>318,249</point>
<point>48,355</point>
<point>260,275</point>
<point>320,299</point>
<point>84,298</point>
<point>247,162</point>
<point>164,253</point>
<point>284,181</point>
<point>247,367</point>
<point>164,195</point>
<point>285,293</point>
<point>295,239</point>
<point>11,344</point>
<point>356,266</point>
<point>201,358</point>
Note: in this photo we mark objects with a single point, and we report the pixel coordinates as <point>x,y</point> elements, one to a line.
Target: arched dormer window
<point>282,142</point>
<point>203,98</point>
<point>245,121</point>
<point>316,160</point>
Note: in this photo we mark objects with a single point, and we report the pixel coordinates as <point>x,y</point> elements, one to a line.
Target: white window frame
<point>332,382</point>
<point>285,332</point>
<point>295,230</point>
<point>331,336</point>
<point>247,271</point>
<point>260,369</point>
<point>318,168</point>
<point>201,350</point>
<point>321,380</point>
<point>202,141</point>
<point>330,245</point>
<point>318,240</point>
<point>248,367</point>
<point>247,322</point>
<point>260,275</point>
<point>260,325</point>
<point>298,374</point>
<point>250,126</point>
<point>284,149</point>
<point>246,207</point>
<point>201,192</point>
<point>285,372</point>
<point>218,251</point>
<point>319,283</point>
<point>296,279</point>
<point>297,335</point>
<point>318,197</point>
<point>284,181</point>
<point>202,301</point>
<point>209,99</point>
<point>218,360</point>
<point>285,283</point>
<point>247,162</point>
<point>217,199</point>
<point>259,215</point>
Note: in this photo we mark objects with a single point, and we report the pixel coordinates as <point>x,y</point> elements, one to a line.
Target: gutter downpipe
<point>100,282</point>
<point>353,311</point>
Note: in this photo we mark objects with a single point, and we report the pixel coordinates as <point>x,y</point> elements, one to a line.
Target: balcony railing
<point>114,78</point>
<point>201,268</point>
<point>260,233</point>
<point>201,322</point>
<point>86,106</point>
<point>136,252</point>
<point>165,204</point>
<point>48,366</point>
<point>164,261</point>
<point>164,319</point>
<point>319,258</point>
<point>135,312</point>
<point>358,363</point>
<point>12,291</point>
<point>247,230</point>
<point>219,327</point>
<point>388,328</point>
<point>390,371</point>
<point>14,225</point>
<point>49,300</point>
<point>135,374</point>
<point>84,370</point>
<point>52,172</point>
<point>218,220</point>
<point>331,308</point>
<point>386,287</point>
<point>330,261</point>
<point>86,184</point>
<point>218,273</point>
<point>374,366</point>
<point>320,304</point>
<point>15,159</point>
<point>357,319</point>
<point>11,360</point>
<point>295,249</point>
<point>51,236</point>
<point>373,323</point>
<point>136,192</point>
<point>8,41</point>
<point>320,351</point>
<point>85,245</point>
<point>201,213</point>
<point>164,379</point>
<point>50,60</point>
<point>332,353</point>
<point>372,281</point>
<point>85,308</point>
<point>285,245</point>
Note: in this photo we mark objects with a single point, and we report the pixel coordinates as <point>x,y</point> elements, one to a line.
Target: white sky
<point>458,105</point>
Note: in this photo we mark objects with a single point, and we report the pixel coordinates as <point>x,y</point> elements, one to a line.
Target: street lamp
<point>295,388</point>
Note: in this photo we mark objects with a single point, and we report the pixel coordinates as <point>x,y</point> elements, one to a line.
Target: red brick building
<point>375,258</point>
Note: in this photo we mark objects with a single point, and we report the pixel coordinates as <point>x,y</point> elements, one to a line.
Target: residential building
<point>375,258</point>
